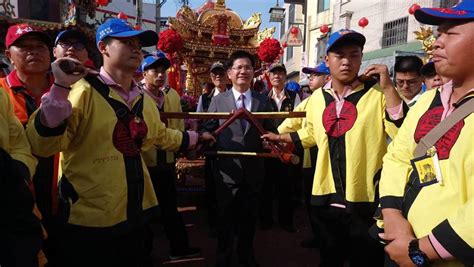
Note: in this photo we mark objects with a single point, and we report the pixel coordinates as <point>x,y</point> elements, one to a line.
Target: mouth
<point>437,58</point>
<point>71,55</point>
<point>345,72</point>
<point>34,61</point>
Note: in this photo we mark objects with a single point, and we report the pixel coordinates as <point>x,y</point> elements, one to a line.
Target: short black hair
<point>408,64</point>
<point>240,54</point>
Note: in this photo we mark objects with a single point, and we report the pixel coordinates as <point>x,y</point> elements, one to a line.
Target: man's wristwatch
<point>417,256</point>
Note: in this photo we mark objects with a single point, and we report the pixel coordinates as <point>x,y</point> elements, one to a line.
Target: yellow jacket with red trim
<point>445,210</point>
<point>352,149</point>
<point>93,167</point>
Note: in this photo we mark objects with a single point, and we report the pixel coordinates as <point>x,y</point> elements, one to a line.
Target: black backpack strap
<point>121,110</point>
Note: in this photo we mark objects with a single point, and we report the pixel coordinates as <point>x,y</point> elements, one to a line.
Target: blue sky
<point>244,8</point>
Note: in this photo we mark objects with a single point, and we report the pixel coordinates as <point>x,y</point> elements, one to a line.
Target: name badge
<point>427,168</point>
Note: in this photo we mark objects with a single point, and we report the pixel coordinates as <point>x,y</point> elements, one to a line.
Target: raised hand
<point>67,71</point>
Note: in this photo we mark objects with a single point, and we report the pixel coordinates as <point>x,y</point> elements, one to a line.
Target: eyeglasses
<point>244,68</point>
<point>412,82</point>
<point>76,45</point>
<point>313,76</point>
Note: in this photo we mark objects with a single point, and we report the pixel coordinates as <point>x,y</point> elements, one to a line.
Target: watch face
<point>418,259</point>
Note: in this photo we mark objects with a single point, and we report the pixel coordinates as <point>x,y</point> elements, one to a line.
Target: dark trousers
<point>211,202</point>
<point>79,249</point>
<point>308,176</point>
<point>279,183</point>
<point>237,214</point>
<point>43,185</point>
<point>345,236</point>
<point>19,250</point>
<point>164,184</point>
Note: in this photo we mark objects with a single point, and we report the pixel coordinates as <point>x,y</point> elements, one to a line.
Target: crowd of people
<point>88,163</point>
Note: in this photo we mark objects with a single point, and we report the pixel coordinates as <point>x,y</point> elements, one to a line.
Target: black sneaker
<point>189,252</point>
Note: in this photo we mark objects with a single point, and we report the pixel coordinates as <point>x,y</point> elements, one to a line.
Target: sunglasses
<point>76,45</point>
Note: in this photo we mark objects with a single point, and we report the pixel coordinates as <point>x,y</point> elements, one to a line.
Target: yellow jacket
<point>12,135</point>
<point>355,156</point>
<point>92,166</point>
<point>290,125</point>
<point>445,210</point>
<point>172,103</point>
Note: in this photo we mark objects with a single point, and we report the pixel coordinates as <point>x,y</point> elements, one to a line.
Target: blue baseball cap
<point>344,36</point>
<point>293,86</point>
<point>119,28</point>
<point>154,60</point>
<point>463,10</point>
<point>319,69</point>
<point>68,34</point>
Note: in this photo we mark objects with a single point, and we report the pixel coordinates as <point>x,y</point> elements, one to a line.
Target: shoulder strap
<point>121,110</point>
<point>439,130</point>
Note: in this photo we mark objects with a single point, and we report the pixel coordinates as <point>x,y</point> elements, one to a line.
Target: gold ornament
<point>427,39</point>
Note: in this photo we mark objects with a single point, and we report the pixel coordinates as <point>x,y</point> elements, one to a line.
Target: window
<point>291,19</point>
<point>447,3</point>
<point>395,32</point>
<point>291,15</point>
<point>289,53</point>
<point>321,49</point>
<point>323,5</point>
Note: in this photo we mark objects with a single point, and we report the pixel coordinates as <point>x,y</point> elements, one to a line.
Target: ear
<point>102,46</point>
<point>326,60</point>
<point>54,52</point>
<point>228,74</point>
<point>8,54</point>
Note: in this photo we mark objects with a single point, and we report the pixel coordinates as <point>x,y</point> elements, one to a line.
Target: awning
<point>387,56</point>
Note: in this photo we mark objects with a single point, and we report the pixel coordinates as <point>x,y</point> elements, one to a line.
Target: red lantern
<point>363,22</point>
<point>137,27</point>
<point>413,8</point>
<point>294,30</point>
<point>324,28</point>
<point>284,44</point>
<point>102,2</point>
<point>122,15</point>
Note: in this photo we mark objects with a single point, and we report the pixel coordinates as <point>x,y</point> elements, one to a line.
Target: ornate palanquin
<point>211,33</point>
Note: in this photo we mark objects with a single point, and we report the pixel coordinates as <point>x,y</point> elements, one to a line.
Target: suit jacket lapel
<point>229,99</point>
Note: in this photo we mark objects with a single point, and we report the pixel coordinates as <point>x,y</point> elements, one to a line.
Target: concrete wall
<point>377,12</point>
<point>126,6</point>
<point>293,64</point>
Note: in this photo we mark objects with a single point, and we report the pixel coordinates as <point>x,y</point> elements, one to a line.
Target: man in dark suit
<point>238,180</point>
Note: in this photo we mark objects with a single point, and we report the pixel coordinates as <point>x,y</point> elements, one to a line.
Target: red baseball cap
<point>18,31</point>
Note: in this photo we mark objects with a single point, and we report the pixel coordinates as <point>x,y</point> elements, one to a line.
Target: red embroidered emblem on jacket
<point>335,126</point>
<point>428,121</point>
<point>128,135</point>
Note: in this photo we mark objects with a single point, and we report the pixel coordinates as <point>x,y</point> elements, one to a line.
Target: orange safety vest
<point>24,104</point>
